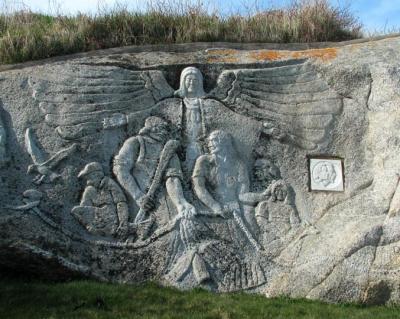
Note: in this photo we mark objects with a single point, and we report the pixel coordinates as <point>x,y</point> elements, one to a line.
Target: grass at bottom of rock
<point>89,299</point>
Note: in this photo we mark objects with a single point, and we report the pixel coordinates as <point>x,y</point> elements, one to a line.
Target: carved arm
<point>87,196</point>
<point>203,194</point>
<point>175,192</point>
<point>253,198</point>
<point>123,164</point>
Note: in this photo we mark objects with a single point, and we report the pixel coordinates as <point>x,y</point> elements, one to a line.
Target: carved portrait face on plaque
<point>326,174</point>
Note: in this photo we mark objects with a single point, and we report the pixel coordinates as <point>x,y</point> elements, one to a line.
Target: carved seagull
<point>40,164</point>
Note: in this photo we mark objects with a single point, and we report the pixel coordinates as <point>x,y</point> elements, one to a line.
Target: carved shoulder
<point>129,149</point>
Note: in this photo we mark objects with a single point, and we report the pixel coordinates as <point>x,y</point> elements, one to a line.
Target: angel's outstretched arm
<point>251,198</point>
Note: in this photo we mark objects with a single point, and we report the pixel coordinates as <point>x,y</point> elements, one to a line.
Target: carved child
<point>276,214</point>
<point>103,209</point>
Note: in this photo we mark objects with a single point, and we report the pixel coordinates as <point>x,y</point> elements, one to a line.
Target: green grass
<point>26,36</point>
<point>87,299</point>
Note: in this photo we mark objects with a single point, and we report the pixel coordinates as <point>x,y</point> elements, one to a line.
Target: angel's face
<point>192,83</point>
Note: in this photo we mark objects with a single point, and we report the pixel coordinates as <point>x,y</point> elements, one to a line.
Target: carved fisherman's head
<point>191,83</point>
<point>156,128</point>
<point>219,141</point>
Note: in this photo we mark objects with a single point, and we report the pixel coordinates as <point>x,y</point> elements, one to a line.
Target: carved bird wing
<point>293,102</point>
<point>32,148</point>
<point>76,98</point>
<point>54,160</point>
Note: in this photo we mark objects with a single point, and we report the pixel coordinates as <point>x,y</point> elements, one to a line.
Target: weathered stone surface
<point>193,169</point>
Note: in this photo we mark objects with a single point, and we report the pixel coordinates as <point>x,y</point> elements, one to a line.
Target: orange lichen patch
<point>222,59</point>
<point>271,55</point>
<point>222,51</point>
<point>222,55</point>
<point>265,55</point>
<point>322,54</point>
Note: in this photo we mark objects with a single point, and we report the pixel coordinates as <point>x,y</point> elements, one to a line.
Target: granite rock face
<point>269,171</point>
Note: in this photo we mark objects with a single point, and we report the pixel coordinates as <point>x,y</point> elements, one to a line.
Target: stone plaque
<point>326,174</point>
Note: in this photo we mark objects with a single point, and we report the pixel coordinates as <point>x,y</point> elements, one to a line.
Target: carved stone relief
<point>142,169</point>
<point>181,179</point>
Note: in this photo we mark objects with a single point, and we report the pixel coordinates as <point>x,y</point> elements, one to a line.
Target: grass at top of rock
<point>26,36</point>
<point>88,299</point>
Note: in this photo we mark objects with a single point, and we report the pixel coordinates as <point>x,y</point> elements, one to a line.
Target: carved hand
<point>218,211</point>
<point>147,203</point>
<point>186,210</point>
<point>122,230</point>
<point>116,120</point>
<point>229,208</point>
<point>266,194</point>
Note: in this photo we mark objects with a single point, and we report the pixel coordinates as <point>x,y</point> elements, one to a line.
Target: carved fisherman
<point>146,165</point>
<point>103,209</point>
<point>226,176</point>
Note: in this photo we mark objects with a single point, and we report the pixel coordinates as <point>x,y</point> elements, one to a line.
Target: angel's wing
<point>32,148</point>
<point>292,100</point>
<point>75,98</point>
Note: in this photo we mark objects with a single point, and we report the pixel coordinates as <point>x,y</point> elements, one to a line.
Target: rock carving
<point>198,187</point>
<point>186,172</point>
<point>227,175</point>
<point>294,105</point>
